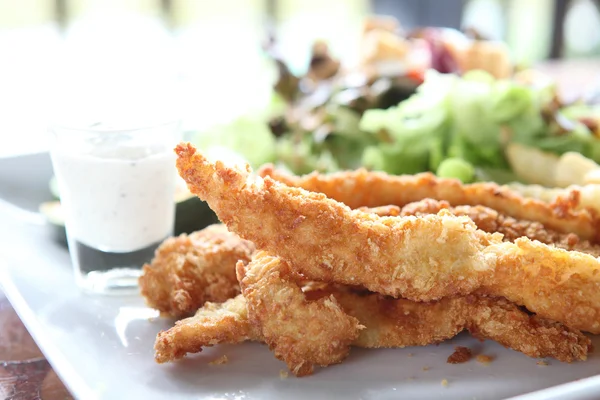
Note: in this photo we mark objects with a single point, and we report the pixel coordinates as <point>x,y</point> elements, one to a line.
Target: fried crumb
<point>425,368</point>
<point>410,354</point>
<point>484,359</point>
<point>189,270</point>
<point>542,363</point>
<point>461,355</point>
<point>411,378</point>
<point>283,374</point>
<point>220,361</point>
<point>445,382</point>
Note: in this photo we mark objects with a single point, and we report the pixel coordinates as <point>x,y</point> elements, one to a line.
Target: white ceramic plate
<point>102,346</point>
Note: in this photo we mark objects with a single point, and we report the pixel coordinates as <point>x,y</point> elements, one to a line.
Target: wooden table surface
<point>24,372</point>
<point>26,375</point>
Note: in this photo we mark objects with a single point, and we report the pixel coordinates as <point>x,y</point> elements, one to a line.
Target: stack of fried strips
<point>314,265</point>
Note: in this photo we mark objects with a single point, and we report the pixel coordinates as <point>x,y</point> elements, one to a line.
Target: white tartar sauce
<point>117,201</point>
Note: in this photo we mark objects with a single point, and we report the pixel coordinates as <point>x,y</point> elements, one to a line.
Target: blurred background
<point>206,60</point>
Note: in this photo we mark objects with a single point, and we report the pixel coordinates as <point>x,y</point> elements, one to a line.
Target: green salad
<point>455,126</point>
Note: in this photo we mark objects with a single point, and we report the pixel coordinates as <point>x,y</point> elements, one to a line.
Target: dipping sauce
<point>117,200</point>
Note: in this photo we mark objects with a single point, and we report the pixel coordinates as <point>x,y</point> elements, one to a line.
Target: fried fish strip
<point>301,333</point>
<point>389,323</point>
<point>492,221</point>
<point>400,323</point>
<point>191,269</point>
<point>422,259</point>
<point>361,188</point>
<point>212,324</point>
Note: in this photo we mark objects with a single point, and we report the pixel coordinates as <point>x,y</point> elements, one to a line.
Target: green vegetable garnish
<point>456,168</point>
<point>248,137</point>
<point>456,126</point>
<point>472,118</point>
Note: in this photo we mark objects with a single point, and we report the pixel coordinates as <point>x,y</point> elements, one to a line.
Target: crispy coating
<point>461,355</point>
<point>212,324</point>
<point>557,284</point>
<point>383,211</point>
<point>362,188</point>
<point>326,241</point>
<point>422,259</point>
<point>301,333</point>
<point>389,323</point>
<point>399,323</point>
<point>189,270</point>
<point>492,221</point>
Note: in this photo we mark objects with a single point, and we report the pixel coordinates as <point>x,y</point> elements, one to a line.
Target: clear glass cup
<point>117,188</point>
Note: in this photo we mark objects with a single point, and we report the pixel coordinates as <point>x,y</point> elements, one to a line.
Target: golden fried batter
<point>301,333</point>
<point>461,355</point>
<point>557,284</point>
<point>383,211</point>
<point>492,221</point>
<point>423,259</point>
<point>399,323</point>
<point>326,241</point>
<point>388,323</point>
<point>373,189</point>
<point>189,270</point>
<point>212,324</point>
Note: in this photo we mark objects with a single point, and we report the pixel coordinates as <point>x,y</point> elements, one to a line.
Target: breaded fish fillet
<point>492,221</point>
<point>212,324</point>
<point>399,323</point>
<point>189,270</point>
<point>362,188</point>
<point>387,322</point>
<point>299,332</point>
<point>422,259</point>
